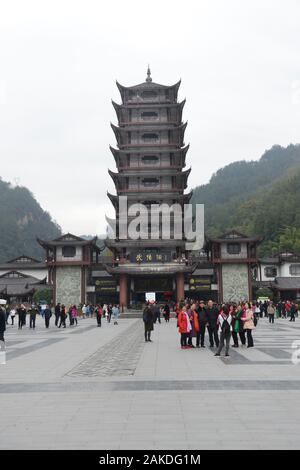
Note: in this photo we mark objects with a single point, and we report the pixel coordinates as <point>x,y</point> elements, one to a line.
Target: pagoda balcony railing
<point>150,167</point>
<point>150,122</point>
<point>138,100</point>
<point>174,145</point>
<point>150,189</point>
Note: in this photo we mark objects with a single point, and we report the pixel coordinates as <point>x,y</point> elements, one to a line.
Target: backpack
<point>225,326</point>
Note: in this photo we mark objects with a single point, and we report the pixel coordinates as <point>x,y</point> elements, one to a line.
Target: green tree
<point>43,294</point>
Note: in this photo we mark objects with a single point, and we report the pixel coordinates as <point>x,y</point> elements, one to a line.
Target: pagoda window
<point>149,116</point>
<point>150,159</point>
<point>233,248</point>
<point>149,137</point>
<point>68,251</point>
<point>295,269</point>
<point>270,271</point>
<point>150,182</point>
<point>149,94</point>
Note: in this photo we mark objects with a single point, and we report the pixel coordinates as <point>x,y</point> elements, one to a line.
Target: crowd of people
<point>27,314</point>
<point>222,322</point>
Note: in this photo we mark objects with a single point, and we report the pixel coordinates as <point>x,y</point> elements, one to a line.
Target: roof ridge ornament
<point>148,79</point>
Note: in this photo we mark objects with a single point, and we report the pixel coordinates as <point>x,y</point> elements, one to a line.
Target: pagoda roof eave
<point>117,152</point>
<point>147,85</point>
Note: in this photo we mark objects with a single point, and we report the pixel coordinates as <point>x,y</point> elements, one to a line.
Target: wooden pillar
<point>123,292</point>
<point>179,287</point>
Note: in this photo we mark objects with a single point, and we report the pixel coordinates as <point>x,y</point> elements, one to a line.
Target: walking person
<point>33,311</point>
<point>184,327</point>
<point>99,313</point>
<point>109,308</point>
<point>57,314</point>
<point>293,311</point>
<point>74,313</point>
<point>2,327</point>
<point>47,316</point>
<point>148,320</point>
<point>63,316</point>
<point>22,316</point>
<point>12,315</point>
<point>212,317</point>
<point>115,313</point>
<point>271,312</point>
<point>167,313</point>
<point>224,322</point>
<point>248,322</point>
<point>71,322</point>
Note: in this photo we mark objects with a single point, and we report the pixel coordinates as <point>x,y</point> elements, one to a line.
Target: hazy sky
<point>239,62</point>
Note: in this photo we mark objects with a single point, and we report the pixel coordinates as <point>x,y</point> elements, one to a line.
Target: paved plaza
<point>105,388</point>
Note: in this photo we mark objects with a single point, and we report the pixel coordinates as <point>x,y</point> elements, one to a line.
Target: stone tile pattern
<point>235,282</point>
<point>118,358</point>
<point>68,281</point>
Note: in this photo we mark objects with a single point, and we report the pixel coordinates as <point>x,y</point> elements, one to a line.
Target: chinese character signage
<point>200,283</point>
<point>105,285</point>
<point>150,256</point>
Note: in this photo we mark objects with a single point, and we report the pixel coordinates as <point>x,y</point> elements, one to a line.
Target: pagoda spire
<point>148,79</point>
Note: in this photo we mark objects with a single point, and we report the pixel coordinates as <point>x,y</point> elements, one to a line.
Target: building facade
<point>150,159</point>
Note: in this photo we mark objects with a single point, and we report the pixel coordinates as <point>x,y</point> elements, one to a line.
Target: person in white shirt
<point>224,321</point>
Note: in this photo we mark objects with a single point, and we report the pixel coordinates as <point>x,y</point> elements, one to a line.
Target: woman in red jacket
<point>184,327</point>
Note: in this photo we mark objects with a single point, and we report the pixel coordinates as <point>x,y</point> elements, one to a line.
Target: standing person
<point>271,312</point>
<point>115,313</point>
<point>70,315</point>
<point>193,316</point>
<point>88,310</point>
<point>167,313</point>
<point>238,327</point>
<point>224,322</point>
<point>279,308</point>
<point>63,316</point>
<point>293,311</point>
<point>33,311</point>
<point>99,313</point>
<point>287,307</point>
<point>47,315</point>
<point>184,327</point>
<point>83,310</point>
<point>12,315</point>
<point>75,315</point>
<point>57,314</point>
<point>109,312</point>
<point>148,320</point>
<point>156,311</point>
<point>212,326</point>
<point>22,316</point>
<point>202,320</point>
<point>247,319</point>
<point>2,328</point>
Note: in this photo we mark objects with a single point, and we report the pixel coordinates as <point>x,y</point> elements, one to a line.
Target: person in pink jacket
<point>248,322</point>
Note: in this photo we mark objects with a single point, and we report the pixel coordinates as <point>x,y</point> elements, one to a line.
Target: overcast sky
<point>239,62</point>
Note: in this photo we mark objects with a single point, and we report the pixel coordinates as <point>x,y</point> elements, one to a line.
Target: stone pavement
<point>104,388</point>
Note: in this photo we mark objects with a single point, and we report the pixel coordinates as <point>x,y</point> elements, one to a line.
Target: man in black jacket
<point>202,318</point>
<point>2,328</point>
<point>57,314</point>
<point>212,317</point>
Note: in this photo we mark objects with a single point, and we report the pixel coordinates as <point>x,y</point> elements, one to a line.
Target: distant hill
<point>258,197</point>
<point>22,220</point>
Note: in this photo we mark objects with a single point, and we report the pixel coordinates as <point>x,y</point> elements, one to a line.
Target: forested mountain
<point>22,220</point>
<point>257,197</point>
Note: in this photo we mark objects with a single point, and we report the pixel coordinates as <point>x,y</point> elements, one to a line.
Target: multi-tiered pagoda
<point>150,161</point>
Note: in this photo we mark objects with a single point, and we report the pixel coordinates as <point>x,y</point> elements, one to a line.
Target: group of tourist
<point>222,322</point>
<point>282,309</point>
<point>60,312</point>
